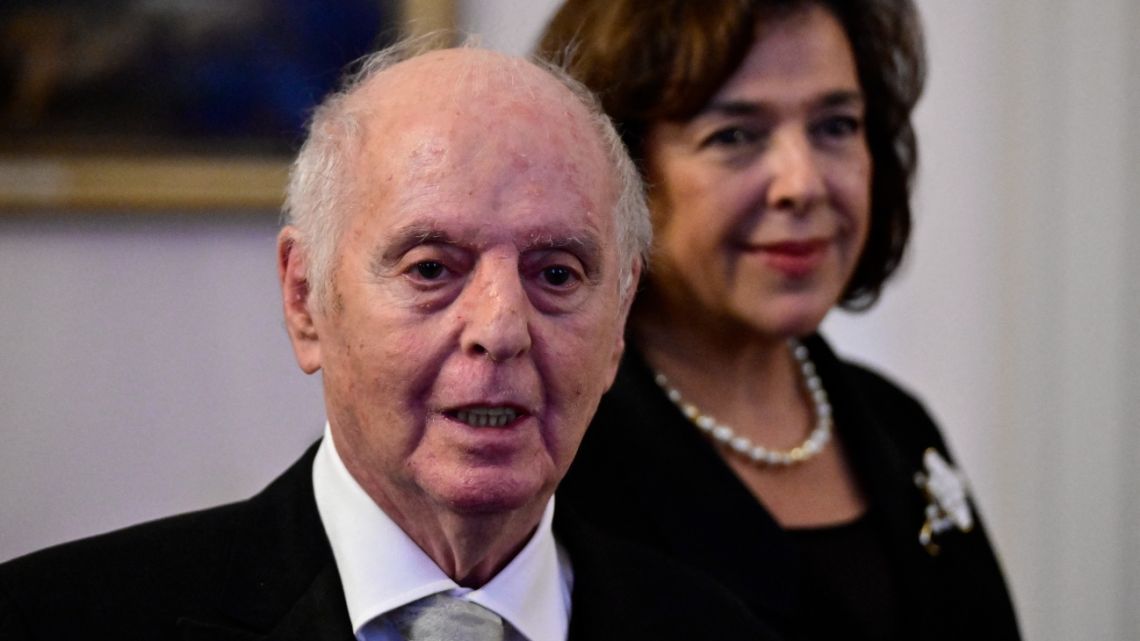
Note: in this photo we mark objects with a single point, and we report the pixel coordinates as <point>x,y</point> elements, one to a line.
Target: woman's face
<point>761,202</point>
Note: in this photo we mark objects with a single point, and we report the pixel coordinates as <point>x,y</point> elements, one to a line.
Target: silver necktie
<point>441,617</point>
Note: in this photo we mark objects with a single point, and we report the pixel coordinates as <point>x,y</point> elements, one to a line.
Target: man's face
<point>475,316</point>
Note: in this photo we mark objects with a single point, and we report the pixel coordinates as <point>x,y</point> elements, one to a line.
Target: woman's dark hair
<point>663,60</point>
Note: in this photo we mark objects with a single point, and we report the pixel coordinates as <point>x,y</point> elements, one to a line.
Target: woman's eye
<point>429,269</point>
<point>557,275</point>
<point>731,137</point>
<point>839,126</point>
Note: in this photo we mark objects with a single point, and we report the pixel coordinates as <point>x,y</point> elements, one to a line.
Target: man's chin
<point>483,494</point>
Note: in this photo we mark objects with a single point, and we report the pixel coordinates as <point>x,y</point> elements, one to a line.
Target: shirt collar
<point>382,568</point>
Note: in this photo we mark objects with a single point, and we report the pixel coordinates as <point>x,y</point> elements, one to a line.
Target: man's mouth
<point>485,416</point>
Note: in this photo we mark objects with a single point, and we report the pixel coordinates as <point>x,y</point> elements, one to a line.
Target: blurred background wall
<point>144,368</point>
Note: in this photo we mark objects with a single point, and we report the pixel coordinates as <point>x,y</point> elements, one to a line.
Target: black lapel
<point>282,582</point>
<point>318,615</point>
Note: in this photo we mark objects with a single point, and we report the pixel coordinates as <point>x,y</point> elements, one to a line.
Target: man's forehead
<point>456,105</point>
<point>476,196</point>
<point>450,140</point>
<point>455,81</point>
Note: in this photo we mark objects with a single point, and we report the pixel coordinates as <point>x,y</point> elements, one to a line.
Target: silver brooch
<point>947,507</point>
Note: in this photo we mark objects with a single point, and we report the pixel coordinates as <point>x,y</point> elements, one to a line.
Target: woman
<point>775,138</point>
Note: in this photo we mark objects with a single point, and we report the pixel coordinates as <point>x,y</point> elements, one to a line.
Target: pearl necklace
<point>759,454</point>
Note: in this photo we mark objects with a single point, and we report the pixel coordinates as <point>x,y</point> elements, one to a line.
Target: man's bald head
<point>417,77</point>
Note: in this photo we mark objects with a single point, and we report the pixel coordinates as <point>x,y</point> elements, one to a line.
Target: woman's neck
<point>726,369</point>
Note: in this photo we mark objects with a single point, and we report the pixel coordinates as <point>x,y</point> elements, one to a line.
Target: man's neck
<point>471,549</point>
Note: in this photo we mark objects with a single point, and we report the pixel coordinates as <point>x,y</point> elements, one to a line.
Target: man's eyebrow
<point>584,242</point>
<point>585,245</point>
<point>406,238</point>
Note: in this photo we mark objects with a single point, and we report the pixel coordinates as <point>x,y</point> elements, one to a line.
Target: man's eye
<point>429,269</point>
<point>557,275</point>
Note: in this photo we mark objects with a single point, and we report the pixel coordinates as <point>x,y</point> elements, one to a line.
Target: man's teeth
<point>487,417</point>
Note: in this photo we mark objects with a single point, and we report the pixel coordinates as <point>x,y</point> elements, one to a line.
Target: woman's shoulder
<point>874,396</point>
<point>860,374</point>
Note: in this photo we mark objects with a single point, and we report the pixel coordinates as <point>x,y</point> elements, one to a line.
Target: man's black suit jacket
<point>263,569</point>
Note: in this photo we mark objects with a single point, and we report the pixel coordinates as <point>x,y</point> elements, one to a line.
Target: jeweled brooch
<point>947,505</point>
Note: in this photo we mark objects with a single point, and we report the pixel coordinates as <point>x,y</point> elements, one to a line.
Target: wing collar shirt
<point>382,568</point>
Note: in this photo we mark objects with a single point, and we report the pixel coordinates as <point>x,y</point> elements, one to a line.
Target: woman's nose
<point>796,183</point>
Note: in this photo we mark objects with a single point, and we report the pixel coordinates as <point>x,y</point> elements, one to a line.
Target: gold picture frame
<point>176,181</point>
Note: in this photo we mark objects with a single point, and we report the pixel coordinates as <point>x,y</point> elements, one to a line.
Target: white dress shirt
<point>382,569</point>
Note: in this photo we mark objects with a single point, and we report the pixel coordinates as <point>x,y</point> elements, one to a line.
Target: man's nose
<point>496,313</point>
<point>796,180</point>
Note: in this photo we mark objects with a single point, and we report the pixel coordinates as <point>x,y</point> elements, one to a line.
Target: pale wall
<point>145,369</point>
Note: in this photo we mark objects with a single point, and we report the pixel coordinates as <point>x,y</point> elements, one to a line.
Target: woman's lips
<point>794,259</point>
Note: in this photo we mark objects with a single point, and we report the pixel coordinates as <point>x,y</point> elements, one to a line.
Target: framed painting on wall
<point>155,104</point>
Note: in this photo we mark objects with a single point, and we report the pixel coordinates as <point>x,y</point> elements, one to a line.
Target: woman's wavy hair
<point>664,60</point>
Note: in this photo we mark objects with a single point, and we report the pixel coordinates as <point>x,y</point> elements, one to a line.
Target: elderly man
<point>464,236</point>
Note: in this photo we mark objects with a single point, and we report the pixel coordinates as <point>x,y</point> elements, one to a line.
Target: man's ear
<point>292,265</point>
